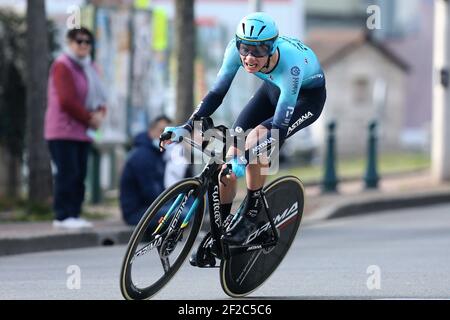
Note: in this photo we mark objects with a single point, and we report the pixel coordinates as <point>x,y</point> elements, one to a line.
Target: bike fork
<point>275,232</point>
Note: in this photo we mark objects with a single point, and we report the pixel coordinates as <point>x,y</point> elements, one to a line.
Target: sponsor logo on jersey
<point>300,121</point>
<point>295,71</point>
<point>316,76</point>
<point>295,83</point>
<point>287,117</point>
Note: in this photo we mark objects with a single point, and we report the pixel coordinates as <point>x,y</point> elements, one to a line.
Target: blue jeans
<point>70,159</point>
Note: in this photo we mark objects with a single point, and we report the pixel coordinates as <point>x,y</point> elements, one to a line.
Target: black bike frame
<point>209,179</point>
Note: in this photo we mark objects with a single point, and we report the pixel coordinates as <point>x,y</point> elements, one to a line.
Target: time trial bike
<point>167,231</point>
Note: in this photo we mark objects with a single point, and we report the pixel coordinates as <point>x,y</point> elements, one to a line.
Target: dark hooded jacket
<point>142,179</point>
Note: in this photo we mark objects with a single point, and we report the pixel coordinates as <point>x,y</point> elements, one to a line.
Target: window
<point>361,92</point>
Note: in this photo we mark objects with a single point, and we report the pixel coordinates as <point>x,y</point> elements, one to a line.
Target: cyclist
<point>286,65</point>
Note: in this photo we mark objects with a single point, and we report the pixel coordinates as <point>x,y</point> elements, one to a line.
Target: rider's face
<point>252,64</point>
<point>253,57</point>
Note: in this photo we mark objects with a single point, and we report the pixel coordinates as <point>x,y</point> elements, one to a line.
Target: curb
<point>12,246</point>
<point>357,178</point>
<point>379,203</point>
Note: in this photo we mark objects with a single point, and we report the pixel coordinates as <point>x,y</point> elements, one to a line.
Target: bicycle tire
<point>128,289</point>
<point>235,277</point>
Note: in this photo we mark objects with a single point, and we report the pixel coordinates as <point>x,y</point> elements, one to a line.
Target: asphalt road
<point>407,253</point>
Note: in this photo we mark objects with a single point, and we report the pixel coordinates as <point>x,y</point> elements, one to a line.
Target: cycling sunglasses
<point>258,51</point>
<point>80,41</point>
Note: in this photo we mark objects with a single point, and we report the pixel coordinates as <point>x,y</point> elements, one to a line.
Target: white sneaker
<point>84,223</point>
<point>72,223</point>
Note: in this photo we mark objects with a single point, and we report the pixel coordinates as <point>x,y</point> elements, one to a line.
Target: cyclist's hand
<point>237,166</point>
<point>230,174</point>
<point>226,175</point>
<point>172,134</point>
<point>232,170</point>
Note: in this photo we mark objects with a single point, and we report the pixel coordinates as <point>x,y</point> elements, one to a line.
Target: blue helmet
<point>257,28</point>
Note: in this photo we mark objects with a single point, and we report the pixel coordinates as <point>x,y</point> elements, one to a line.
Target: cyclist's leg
<point>261,113</point>
<point>307,110</point>
<point>258,109</point>
<point>254,172</point>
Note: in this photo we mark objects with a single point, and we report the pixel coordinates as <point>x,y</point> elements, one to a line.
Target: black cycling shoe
<point>205,254</point>
<point>206,261</point>
<point>240,231</point>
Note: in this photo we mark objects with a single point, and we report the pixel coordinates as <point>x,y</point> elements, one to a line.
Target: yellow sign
<point>159,29</point>
<point>88,16</point>
<point>142,4</point>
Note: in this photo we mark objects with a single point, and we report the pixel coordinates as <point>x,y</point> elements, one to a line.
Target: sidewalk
<point>399,191</point>
<point>395,192</point>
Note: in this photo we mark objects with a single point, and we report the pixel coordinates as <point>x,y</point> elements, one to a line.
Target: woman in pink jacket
<point>76,103</point>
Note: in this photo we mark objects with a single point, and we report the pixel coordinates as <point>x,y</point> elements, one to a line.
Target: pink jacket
<point>66,117</point>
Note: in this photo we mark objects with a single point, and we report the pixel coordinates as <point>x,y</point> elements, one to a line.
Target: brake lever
<point>161,148</point>
<point>163,137</point>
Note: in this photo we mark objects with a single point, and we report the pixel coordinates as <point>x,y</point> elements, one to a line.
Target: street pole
<point>255,5</point>
<point>330,181</point>
<point>371,178</point>
<point>440,156</point>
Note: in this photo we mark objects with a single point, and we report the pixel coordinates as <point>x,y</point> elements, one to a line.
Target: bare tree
<point>12,101</point>
<point>184,55</point>
<point>37,62</point>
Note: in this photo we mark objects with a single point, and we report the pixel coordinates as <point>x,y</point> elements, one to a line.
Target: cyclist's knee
<point>256,137</point>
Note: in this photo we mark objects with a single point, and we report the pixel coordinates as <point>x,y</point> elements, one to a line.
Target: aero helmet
<point>257,28</point>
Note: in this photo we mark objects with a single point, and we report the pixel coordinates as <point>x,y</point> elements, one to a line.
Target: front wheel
<point>162,240</point>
